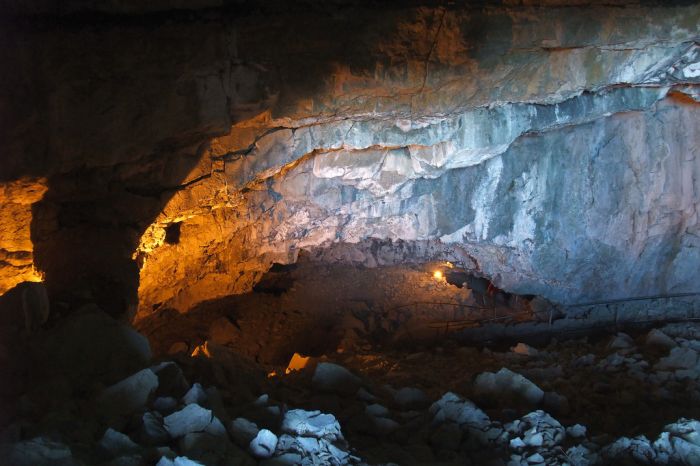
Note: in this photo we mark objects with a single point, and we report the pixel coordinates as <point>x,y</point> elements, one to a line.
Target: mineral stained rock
<point>553,148</point>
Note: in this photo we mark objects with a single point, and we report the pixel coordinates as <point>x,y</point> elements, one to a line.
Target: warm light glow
<point>297,363</point>
<point>272,374</point>
<point>201,350</point>
<point>437,275</point>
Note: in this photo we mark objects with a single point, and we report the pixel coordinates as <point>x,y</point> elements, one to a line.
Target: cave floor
<point>618,385</point>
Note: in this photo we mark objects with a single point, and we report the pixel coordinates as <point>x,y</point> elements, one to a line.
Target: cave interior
<point>349,232</point>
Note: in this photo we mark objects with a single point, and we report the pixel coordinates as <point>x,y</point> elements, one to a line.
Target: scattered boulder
<point>192,418</point>
<point>264,444</point>
<point>107,349</point>
<point>39,451</point>
<point>243,431</point>
<point>621,341</point>
<point>178,461</point>
<point>116,443</point>
<point>331,377</point>
<point>152,431</point>
<point>311,424</point>
<point>657,338</point>
<point>678,358</point>
<point>411,398</point>
<point>128,395</point>
<point>171,380</point>
<point>195,394</point>
<point>506,386</point>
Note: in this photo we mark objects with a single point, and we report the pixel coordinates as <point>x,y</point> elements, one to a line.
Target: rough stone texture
<point>551,149</point>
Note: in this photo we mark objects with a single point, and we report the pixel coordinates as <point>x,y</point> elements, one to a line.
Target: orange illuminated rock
<point>299,362</point>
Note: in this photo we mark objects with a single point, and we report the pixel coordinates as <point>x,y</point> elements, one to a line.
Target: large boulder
<point>506,386</point>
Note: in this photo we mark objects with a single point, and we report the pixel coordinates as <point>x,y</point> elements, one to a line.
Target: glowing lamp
<point>437,275</point>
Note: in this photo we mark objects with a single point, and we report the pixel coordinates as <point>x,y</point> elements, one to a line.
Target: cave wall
<point>551,148</point>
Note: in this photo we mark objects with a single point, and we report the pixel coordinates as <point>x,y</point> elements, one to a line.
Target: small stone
<point>192,418</point>
<point>216,428</point>
<point>523,349</point>
<point>384,426</point>
<point>178,461</point>
<point>576,431</point>
<point>516,443</point>
<point>331,377</point>
<point>376,410</point>
<point>535,459</point>
<point>264,444</point>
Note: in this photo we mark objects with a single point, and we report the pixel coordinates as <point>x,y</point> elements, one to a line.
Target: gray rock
<point>40,451</point>
<point>192,418</point>
<point>506,386</point>
<point>452,408</point>
<point>576,431</point>
<point>311,423</point>
<point>178,461</point>
<point>621,341</point>
<point>195,394</point>
<point>679,358</point>
<point>264,444</point>
<point>411,398</point>
<point>376,410</point>
<point>152,431</point>
<point>115,443</point>
<point>165,404</point>
<point>242,431</point>
<point>107,349</point>
<point>171,380</point>
<point>128,395</point>
<point>659,339</point>
<point>334,378</point>
<point>447,436</point>
<point>216,428</point>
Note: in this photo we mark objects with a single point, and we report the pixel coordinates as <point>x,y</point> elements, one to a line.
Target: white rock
<point>178,461</point>
<point>455,409</point>
<point>516,443</point>
<point>192,418</point>
<point>264,444</point>
<point>311,423</point>
<point>536,458</point>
